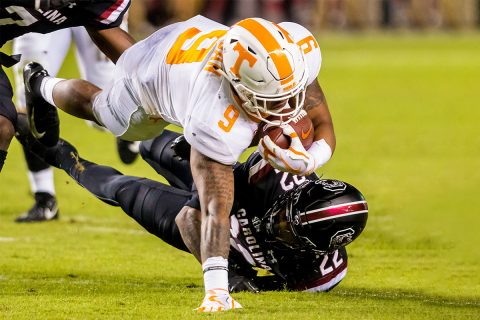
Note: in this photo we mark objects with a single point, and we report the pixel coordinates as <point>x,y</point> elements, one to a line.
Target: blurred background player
<point>51,50</point>
<point>18,17</point>
<point>316,14</point>
<point>148,15</point>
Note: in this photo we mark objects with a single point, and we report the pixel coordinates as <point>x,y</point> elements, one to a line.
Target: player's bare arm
<point>113,42</point>
<point>214,182</point>
<point>317,110</point>
<point>189,221</point>
<point>296,159</point>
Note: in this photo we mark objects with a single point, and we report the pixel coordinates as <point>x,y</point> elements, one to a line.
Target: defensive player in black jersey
<point>296,228</point>
<point>17,17</point>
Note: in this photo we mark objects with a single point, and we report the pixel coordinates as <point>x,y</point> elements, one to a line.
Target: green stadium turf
<point>406,114</point>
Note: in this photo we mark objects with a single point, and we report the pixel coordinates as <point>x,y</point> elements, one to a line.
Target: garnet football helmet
<point>321,215</point>
<point>265,68</point>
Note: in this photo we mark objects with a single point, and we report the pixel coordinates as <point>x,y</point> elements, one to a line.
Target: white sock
<point>42,181</point>
<point>215,274</point>
<point>46,88</point>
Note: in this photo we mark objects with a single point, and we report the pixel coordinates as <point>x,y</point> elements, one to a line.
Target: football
<point>302,125</point>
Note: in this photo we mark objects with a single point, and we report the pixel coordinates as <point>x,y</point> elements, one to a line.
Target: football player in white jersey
<point>293,227</point>
<point>50,50</point>
<point>218,83</point>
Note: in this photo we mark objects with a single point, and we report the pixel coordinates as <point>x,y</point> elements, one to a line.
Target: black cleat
<point>44,209</point>
<point>128,150</point>
<point>42,116</point>
<point>63,156</point>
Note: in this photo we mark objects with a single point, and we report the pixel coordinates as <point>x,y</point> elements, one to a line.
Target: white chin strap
<point>256,106</point>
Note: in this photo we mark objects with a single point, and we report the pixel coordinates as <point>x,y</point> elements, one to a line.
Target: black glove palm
<point>238,283</point>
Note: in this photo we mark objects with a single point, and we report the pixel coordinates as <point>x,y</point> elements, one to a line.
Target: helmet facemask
<point>257,104</point>
<point>283,224</point>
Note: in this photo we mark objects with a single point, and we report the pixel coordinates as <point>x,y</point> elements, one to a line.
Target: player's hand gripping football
<point>295,160</point>
<point>218,300</point>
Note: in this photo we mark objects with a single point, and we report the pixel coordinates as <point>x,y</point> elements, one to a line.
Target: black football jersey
<point>257,186</point>
<point>100,14</point>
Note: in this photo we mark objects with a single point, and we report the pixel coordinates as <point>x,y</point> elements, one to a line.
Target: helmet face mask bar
<point>282,222</point>
<point>317,217</point>
<point>257,104</point>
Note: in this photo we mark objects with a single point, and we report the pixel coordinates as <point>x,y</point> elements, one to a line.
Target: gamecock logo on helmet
<point>342,238</point>
<point>332,185</point>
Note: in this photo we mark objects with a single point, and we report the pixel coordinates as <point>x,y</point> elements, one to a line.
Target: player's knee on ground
<point>162,157</point>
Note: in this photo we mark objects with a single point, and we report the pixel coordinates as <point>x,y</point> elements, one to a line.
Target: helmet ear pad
<point>325,215</point>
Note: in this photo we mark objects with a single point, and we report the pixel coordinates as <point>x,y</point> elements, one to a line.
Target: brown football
<point>302,125</point>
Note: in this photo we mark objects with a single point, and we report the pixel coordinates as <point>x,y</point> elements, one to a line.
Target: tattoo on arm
<point>214,182</point>
<point>317,110</point>
<point>314,97</point>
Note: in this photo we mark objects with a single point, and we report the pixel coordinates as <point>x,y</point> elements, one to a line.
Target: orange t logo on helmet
<point>243,55</point>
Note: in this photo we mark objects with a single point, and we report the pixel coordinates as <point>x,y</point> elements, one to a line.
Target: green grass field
<point>406,113</point>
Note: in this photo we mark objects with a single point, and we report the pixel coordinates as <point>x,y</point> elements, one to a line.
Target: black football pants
<point>152,204</point>
<point>7,109</point>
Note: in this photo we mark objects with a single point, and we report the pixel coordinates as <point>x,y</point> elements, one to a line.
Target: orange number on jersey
<point>197,50</point>
<point>307,44</point>
<point>231,115</point>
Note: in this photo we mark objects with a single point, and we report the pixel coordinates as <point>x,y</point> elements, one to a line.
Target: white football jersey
<point>171,75</point>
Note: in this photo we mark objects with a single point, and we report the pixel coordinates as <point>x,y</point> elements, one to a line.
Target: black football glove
<point>54,4</point>
<point>181,148</point>
<point>238,283</point>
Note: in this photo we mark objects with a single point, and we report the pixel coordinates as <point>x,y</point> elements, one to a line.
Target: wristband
<point>321,152</point>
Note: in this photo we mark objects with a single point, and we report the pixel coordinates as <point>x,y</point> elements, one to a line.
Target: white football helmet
<point>264,66</point>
